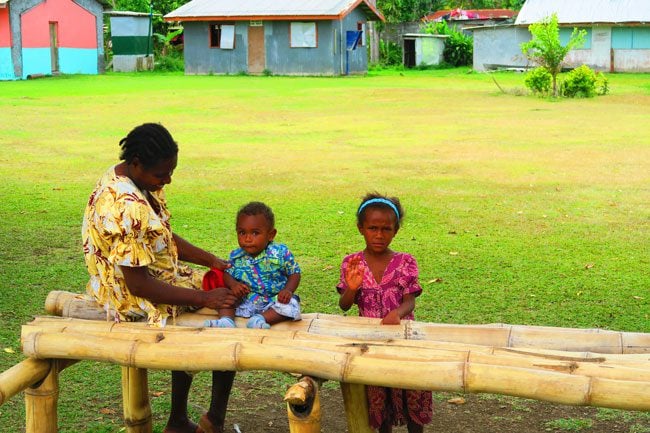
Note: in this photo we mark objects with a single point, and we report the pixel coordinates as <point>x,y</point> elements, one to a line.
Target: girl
<point>384,284</point>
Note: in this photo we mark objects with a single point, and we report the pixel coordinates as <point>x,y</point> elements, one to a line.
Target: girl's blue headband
<point>379,200</point>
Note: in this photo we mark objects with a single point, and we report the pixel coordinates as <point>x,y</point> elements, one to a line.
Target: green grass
<point>519,209</point>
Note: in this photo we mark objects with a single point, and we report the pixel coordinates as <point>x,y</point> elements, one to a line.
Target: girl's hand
<point>391,318</point>
<point>354,274</point>
<point>240,289</point>
<point>284,296</point>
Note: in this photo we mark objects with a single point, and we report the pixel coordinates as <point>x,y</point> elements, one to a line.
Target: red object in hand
<point>212,279</point>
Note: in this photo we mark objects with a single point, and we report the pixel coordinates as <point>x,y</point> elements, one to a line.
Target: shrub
<point>390,54</point>
<point>602,84</point>
<point>539,80</point>
<point>580,82</point>
<point>459,49</point>
<point>172,62</point>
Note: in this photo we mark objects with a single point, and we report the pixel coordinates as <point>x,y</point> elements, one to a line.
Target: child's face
<point>254,233</point>
<point>378,229</point>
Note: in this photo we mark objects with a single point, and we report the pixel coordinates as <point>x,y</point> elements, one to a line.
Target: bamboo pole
<point>303,406</point>
<point>41,403</point>
<point>356,407</point>
<point>135,395</point>
<point>354,367</point>
<point>494,335</point>
<point>22,375</point>
<point>582,363</point>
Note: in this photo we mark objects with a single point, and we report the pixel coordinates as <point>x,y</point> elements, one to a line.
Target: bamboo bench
<point>562,365</point>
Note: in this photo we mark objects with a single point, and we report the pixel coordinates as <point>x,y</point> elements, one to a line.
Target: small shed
<point>423,49</point>
<point>45,37</point>
<point>131,41</point>
<point>286,37</point>
<point>618,35</point>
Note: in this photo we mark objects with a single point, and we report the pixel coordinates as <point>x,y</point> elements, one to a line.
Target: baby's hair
<point>150,143</point>
<point>377,201</point>
<point>257,208</point>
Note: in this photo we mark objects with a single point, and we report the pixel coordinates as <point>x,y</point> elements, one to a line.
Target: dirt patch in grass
<point>253,409</point>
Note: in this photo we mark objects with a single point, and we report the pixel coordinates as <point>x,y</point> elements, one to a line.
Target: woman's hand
<point>217,263</point>
<point>354,274</point>
<point>220,298</point>
<point>391,318</point>
<point>284,296</point>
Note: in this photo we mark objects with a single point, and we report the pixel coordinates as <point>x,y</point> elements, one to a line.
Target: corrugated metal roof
<point>476,14</point>
<point>269,9</point>
<point>586,11</point>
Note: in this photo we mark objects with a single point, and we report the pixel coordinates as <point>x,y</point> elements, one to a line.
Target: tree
<point>545,48</point>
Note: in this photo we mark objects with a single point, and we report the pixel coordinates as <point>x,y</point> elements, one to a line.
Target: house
<point>463,18</point>
<point>44,37</point>
<point>618,35</point>
<point>131,40</point>
<point>285,37</point>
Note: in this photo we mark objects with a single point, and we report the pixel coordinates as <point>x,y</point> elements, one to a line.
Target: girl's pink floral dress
<point>377,300</point>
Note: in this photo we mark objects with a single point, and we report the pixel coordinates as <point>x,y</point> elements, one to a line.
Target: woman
<point>133,258</point>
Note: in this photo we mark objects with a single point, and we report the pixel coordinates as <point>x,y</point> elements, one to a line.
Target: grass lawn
<point>519,209</point>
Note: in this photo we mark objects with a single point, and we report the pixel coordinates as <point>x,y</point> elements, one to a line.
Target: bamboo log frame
<point>41,400</point>
<point>66,304</point>
<point>557,377</point>
<point>22,375</point>
<point>135,396</point>
<point>303,406</point>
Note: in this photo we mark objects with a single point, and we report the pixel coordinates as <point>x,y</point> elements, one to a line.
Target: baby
<point>264,273</point>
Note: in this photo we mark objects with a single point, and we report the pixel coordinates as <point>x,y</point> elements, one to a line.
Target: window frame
<point>291,40</point>
<point>218,27</point>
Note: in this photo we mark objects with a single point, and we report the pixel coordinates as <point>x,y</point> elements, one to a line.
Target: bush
<point>539,81</point>
<point>602,84</point>
<point>172,62</point>
<point>579,83</point>
<point>390,54</point>
<point>459,49</point>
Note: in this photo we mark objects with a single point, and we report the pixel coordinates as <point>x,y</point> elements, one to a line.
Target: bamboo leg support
<point>41,402</point>
<point>303,406</point>
<point>135,394</point>
<point>356,407</point>
<point>21,376</point>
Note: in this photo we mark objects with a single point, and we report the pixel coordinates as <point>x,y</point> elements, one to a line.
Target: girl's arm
<point>193,254</point>
<point>353,279</point>
<point>405,308</point>
<point>347,299</point>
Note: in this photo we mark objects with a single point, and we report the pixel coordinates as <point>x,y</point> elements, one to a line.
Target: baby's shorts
<point>251,306</point>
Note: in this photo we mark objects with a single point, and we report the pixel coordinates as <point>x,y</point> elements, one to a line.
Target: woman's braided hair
<point>150,142</point>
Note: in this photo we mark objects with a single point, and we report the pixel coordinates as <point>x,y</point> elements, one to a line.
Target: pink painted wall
<point>76,26</point>
<point>5,33</point>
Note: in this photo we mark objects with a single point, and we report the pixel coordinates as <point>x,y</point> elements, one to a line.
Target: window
<point>361,27</point>
<point>565,35</point>
<point>630,38</point>
<point>222,36</point>
<point>303,35</point>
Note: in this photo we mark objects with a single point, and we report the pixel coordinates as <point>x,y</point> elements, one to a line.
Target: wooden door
<point>256,51</point>
<point>54,46</point>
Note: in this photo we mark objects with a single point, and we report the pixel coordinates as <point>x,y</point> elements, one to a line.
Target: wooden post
<point>41,402</point>
<point>356,407</point>
<point>303,406</point>
<point>135,395</point>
